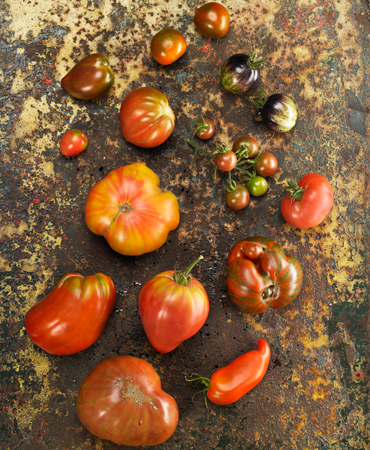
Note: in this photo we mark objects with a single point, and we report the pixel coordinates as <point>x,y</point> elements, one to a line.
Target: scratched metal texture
<point>315,392</point>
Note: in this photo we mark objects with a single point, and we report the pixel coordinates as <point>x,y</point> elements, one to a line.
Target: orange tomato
<point>167,46</point>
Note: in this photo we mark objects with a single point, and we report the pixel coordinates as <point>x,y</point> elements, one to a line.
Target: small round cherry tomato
<point>212,20</point>
<point>206,130</point>
<point>246,143</point>
<point>266,165</point>
<point>226,161</point>
<point>257,186</point>
<point>237,199</point>
<point>73,142</point>
<point>167,46</point>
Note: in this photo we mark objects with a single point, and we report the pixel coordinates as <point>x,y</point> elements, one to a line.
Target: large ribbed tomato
<point>147,119</point>
<point>173,307</point>
<point>130,210</point>
<point>73,315</point>
<point>122,400</point>
<point>261,276</point>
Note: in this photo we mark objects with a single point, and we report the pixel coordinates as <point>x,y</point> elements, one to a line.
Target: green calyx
<point>250,175</point>
<point>221,148</point>
<point>255,62</point>
<point>259,102</point>
<point>231,185</point>
<point>199,126</point>
<point>184,278</point>
<point>206,382</point>
<point>296,192</point>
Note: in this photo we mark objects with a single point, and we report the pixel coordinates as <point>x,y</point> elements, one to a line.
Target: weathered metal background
<point>315,392</point>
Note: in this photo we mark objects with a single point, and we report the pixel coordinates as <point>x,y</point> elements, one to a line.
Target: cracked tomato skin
<point>172,313</point>
<point>167,46</point>
<point>121,400</point>
<point>212,20</point>
<point>73,315</point>
<point>131,211</point>
<point>90,78</point>
<point>261,276</point>
<point>147,119</point>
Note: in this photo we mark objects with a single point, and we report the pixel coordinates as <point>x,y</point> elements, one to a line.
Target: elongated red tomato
<point>308,202</point>
<point>147,119</point>
<point>167,46</point>
<point>73,315</point>
<point>173,307</point>
<point>230,383</point>
<point>130,210</point>
<point>261,276</point>
<point>122,400</point>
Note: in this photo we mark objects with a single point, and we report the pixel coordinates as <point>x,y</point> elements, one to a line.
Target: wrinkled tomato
<point>167,46</point>
<point>73,315</point>
<point>121,400</point>
<point>212,20</point>
<point>73,142</point>
<point>147,119</point>
<point>261,276</point>
<point>130,210</point>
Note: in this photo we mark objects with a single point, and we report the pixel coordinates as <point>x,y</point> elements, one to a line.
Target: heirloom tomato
<point>73,315</point>
<point>308,202</point>
<point>130,210</point>
<point>230,383</point>
<point>90,78</point>
<point>167,46</point>
<point>226,161</point>
<point>73,142</point>
<point>147,119</point>
<point>173,307</point>
<point>246,145</point>
<point>266,164</point>
<point>121,400</point>
<point>261,276</point>
<point>237,199</point>
<point>212,20</point>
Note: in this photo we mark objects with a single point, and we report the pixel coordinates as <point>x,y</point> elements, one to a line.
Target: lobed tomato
<point>167,46</point>
<point>308,202</point>
<point>73,315</point>
<point>239,198</point>
<point>146,118</point>
<point>226,161</point>
<point>121,399</point>
<point>266,164</point>
<point>130,210</point>
<point>73,142</point>
<point>212,20</point>
<point>257,186</point>
<point>206,129</point>
<point>248,144</point>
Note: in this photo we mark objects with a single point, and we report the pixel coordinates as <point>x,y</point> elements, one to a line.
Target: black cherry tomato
<point>266,165</point>
<point>226,161</point>
<point>212,20</point>
<point>239,198</point>
<point>246,143</point>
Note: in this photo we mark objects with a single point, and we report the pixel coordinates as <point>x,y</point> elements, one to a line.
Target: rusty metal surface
<point>315,392</point>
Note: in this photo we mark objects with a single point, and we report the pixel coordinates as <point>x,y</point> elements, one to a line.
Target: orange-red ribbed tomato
<point>130,210</point>
<point>147,119</point>
<point>167,46</point>
<point>121,399</point>
<point>172,309</point>
<point>73,315</point>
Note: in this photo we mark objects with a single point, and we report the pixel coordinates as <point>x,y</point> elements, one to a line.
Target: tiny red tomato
<point>266,165</point>
<point>167,46</point>
<point>239,198</point>
<point>212,20</point>
<point>257,186</point>
<point>226,161</point>
<point>73,142</point>
<point>205,130</point>
<point>246,143</point>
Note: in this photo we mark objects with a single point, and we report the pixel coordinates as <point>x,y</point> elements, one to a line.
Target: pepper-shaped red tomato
<point>130,210</point>
<point>167,46</point>
<point>73,315</point>
<point>173,307</point>
<point>308,202</point>
<point>147,119</point>
<point>122,400</point>
<point>230,383</point>
<point>90,78</point>
<point>261,276</point>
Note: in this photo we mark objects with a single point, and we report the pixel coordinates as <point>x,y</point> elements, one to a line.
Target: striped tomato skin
<point>131,211</point>
<point>261,276</point>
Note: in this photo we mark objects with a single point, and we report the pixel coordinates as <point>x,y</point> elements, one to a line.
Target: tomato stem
<point>184,278</point>
<point>200,149</point>
<point>199,126</point>
<point>205,381</point>
<point>296,192</point>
